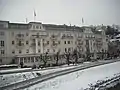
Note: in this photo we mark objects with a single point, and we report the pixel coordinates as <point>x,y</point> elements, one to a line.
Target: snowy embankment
<point>81,79</point>
<point>14,70</point>
<point>7,79</point>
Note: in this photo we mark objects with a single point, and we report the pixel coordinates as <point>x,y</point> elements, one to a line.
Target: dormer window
<point>33,27</point>
<point>40,27</point>
<point>37,27</point>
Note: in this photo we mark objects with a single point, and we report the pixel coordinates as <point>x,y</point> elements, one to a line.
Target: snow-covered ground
<point>81,79</point>
<point>8,79</point>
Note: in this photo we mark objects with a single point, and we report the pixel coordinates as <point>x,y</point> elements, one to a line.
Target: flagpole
<point>34,15</point>
<point>82,21</point>
<point>34,18</point>
<point>26,20</point>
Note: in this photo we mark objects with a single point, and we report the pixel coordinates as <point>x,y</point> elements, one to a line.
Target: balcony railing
<point>33,44</point>
<point>54,45</point>
<point>20,36</point>
<point>53,37</point>
<point>20,44</point>
<point>45,44</point>
<point>80,43</point>
<point>67,37</point>
<point>99,44</point>
<point>79,37</point>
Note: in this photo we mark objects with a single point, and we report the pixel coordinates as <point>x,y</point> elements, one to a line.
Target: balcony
<point>20,45</point>
<point>53,37</point>
<point>33,44</point>
<point>54,45</point>
<point>80,43</point>
<point>79,37</point>
<point>45,44</point>
<point>99,44</point>
<point>20,36</point>
<point>67,37</point>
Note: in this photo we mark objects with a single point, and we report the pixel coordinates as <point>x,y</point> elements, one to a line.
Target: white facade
<point>36,38</point>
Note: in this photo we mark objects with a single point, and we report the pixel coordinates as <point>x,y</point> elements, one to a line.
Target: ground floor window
<point>0,60</point>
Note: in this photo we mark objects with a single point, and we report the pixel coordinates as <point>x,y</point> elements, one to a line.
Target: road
<point>25,84</point>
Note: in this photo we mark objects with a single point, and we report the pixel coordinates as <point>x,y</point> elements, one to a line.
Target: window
<point>75,42</point>
<point>2,52</point>
<point>36,59</point>
<point>68,42</point>
<point>53,50</point>
<point>39,50</point>
<point>48,50</point>
<point>27,51</point>
<point>47,42</point>
<point>37,27</point>
<point>20,51</point>
<point>33,26</point>
<point>27,42</point>
<point>40,27</point>
<point>32,59</point>
<point>1,43</point>
<point>28,60</point>
<point>53,42</point>
<point>38,43</point>
<point>13,51</point>
<point>20,43</point>
<point>1,33</point>
<point>13,42</point>
<point>64,42</point>
<point>69,49</point>
<point>25,61</point>
<point>65,49</point>
<point>58,42</point>
<point>0,60</point>
<point>26,34</point>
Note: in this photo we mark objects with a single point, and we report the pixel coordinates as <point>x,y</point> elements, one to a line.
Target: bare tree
<point>75,53</point>
<point>57,57</point>
<point>44,59</point>
<point>68,58</point>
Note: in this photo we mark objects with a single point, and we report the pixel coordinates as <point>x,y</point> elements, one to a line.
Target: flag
<point>82,20</point>
<point>34,13</point>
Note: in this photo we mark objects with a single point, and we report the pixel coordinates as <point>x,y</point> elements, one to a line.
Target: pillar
<point>41,45</point>
<point>23,59</point>
<point>18,60</point>
<point>36,45</point>
<point>34,59</point>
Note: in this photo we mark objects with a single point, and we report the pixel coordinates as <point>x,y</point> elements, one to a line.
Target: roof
<point>62,27</point>
<point>18,26</point>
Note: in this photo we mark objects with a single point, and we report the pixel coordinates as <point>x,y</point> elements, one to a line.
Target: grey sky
<point>94,12</point>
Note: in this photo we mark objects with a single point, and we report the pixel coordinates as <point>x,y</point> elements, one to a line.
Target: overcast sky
<point>94,12</point>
